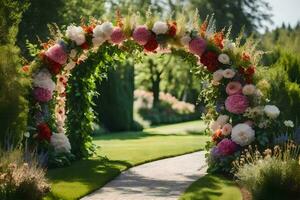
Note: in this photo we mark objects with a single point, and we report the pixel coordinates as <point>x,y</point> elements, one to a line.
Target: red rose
<point>44,132</point>
<point>172,29</point>
<point>84,45</point>
<point>151,45</point>
<point>53,66</point>
<point>250,70</point>
<point>210,60</point>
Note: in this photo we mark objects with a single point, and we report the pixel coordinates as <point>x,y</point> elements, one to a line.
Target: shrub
<point>280,84</point>
<point>13,104</point>
<point>169,110</point>
<point>20,179</point>
<point>275,174</point>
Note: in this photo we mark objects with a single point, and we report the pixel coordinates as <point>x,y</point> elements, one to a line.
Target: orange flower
<point>203,28</point>
<point>218,39</point>
<point>217,135</point>
<point>246,56</point>
<point>25,68</point>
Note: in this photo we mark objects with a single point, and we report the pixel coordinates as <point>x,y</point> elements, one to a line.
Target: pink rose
<point>226,130</point>
<point>227,147</point>
<point>237,103</point>
<point>57,54</point>
<point>197,46</point>
<point>117,35</point>
<point>42,95</point>
<point>234,88</point>
<point>141,35</point>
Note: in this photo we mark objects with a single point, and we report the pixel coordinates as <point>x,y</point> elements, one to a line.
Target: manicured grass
<point>123,150</point>
<point>212,187</point>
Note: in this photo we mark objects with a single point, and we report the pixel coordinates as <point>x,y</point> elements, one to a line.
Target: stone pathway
<point>164,179</point>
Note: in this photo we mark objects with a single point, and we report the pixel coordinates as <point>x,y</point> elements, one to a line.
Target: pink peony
<point>227,128</point>
<point>236,103</point>
<point>234,88</point>
<point>141,35</point>
<point>117,35</point>
<point>42,95</point>
<point>226,147</point>
<point>57,54</point>
<point>197,46</point>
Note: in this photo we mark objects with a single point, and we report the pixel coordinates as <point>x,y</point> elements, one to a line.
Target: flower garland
<point>230,65</point>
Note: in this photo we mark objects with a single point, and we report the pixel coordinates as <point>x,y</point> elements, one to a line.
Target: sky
<point>287,11</point>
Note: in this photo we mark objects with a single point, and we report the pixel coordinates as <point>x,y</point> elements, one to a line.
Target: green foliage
<point>80,97</point>
<point>13,90</point>
<point>20,178</point>
<point>280,84</point>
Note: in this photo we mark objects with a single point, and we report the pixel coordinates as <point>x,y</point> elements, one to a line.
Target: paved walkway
<point>159,180</point>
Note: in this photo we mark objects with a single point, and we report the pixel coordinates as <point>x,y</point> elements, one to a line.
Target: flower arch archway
<point>228,65</point>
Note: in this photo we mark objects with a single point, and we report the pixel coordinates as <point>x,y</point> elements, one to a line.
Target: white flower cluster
<point>272,111</point>
<point>76,34</point>
<point>61,143</point>
<point>243,134</point>
<point>101,33</point>
<point>43,79</point>
<point>160,27</point>
<point>289,123</point>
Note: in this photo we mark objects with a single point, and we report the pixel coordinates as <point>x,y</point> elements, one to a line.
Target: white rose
<point>43,80</point>
<point>271,111</point>
<point>242,134</point>
<point>289,123</point>
<point>228,73</point>
<point>249,89</point>
<point>160,27</point>
<point>61,143</point>
<point>218,75</point>
<point>222,119</point>
<point>185,40</point>
<point>224,58</point>
<point>76,34</point>
<point>228,44</point>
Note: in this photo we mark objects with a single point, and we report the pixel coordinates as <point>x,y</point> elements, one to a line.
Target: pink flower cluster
<point>57,54</point>
<point>197,46</point>
<point>42,95</point>
<point>226,147</point>
<point>236,103</point>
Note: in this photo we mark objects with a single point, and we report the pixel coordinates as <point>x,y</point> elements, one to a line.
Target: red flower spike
<point>218,39</point>
<point>44,132</point>
<point>172,29</point>
<point>84,45</point>
<point>151,45</point>
<point>210,60</point>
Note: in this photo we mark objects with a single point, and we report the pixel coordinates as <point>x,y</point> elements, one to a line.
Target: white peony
<point>160,27</point>
<point>107,28</point>
<point>228,73</point>
<point>214,125</point>
<point>228,44</point>
<point>289,123</point>
<point>61,143</point>
<point>218,75</point>
<point>76,34</point>
<point>271,111</point>
<point>43,79</point>
<point>224,58</point>
<point>101,33</point>
<point>185,40</point>
<point>222,119</point>
<point>242,134</point>
<point>249,89</point>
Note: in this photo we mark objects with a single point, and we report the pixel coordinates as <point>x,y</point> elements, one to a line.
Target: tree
<point>251,14</point>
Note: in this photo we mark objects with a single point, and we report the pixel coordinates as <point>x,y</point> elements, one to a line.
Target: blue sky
<point>287,11</point>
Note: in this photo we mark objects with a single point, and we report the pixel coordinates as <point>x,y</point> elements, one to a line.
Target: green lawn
<point>122,151</point>
<point>212,187</point>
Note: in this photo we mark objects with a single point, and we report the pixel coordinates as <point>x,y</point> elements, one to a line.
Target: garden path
<point>164,179</point>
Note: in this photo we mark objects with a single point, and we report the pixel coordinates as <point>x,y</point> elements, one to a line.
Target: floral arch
<point>235,123</point>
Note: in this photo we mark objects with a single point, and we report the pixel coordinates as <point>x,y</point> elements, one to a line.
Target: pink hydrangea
<point>234,88</point>
<point>226,147</point>
<point>141,35</point>
<point>57,54</point>
<point>237,103</point>
<point>117,35</point>
<point>42,95</point>
<point>197,46</point>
